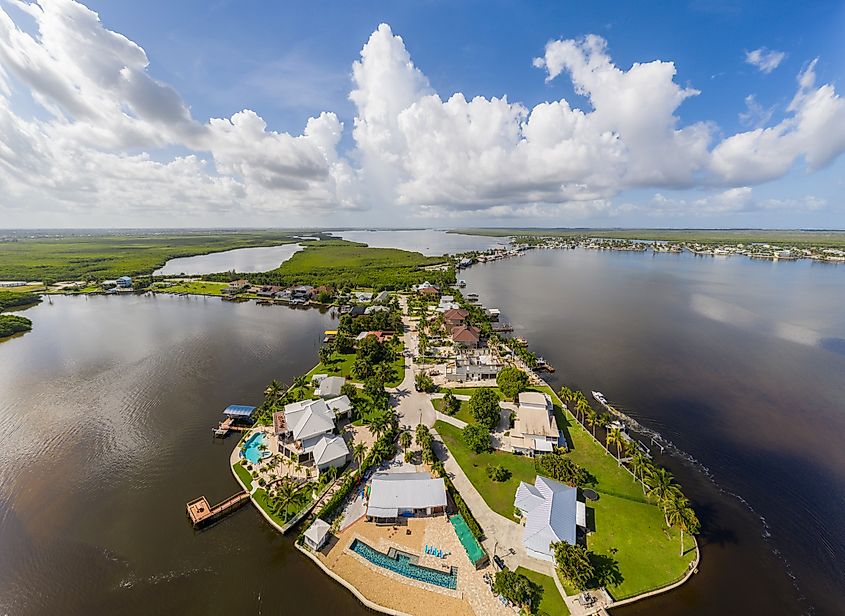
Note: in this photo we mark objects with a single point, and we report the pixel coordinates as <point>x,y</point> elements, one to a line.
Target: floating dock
<point>201,513</point>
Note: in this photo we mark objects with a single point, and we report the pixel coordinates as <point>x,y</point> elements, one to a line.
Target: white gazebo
<point>317,534</point>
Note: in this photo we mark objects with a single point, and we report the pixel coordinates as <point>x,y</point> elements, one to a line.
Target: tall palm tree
<point>422,433</point>
<point>592,420</point>
<point>379,423</point>
<point>359,452</point>
<point>405,440</point>
<point>300,382</point>
<point>614,437</point>
<point>662,487</point>
<point>679,514</point>
<point>638,464</point>
<point>582,407</point>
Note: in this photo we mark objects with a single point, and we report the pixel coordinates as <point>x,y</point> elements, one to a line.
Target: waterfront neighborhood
<point>424,464</point>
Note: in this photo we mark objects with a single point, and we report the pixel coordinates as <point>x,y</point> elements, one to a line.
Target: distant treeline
<point>343,265</point>
<point>100,257</point>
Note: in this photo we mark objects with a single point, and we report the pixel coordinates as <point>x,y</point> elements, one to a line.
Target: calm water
<point>259,259</point>
<point>429,242</point>
<point>105,416</point>
<point>741,364</point>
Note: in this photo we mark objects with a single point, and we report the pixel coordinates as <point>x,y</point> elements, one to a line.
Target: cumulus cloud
<point>414,151</point>
<point>764,60</point>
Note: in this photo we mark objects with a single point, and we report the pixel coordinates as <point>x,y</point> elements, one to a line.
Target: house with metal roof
<point>317,534</point>
<point>330,451</point>
<point>340,406</point>
<point>535,428</point>
<point>551,512</point>
<point>395,495</point>
<point>300,426</point>
<point>330,386</point>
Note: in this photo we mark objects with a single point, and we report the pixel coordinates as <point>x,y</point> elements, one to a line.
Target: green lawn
<point>194,288</point>
<point>468,391</point>
<point>243,474</point>
<point>552,603</point>
<point>342,366</point>
<point>261,498</point>
<point>463,413</point>
<point>498,495</point>
<point>625,520</point>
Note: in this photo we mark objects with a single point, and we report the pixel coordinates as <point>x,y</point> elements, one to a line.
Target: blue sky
<point>290,62</point>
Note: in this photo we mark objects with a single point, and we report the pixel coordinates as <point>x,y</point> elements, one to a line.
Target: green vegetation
<point>199,287</point>
<point>498,495</point>
<point>498,473</point>
<point>343,264</point>
<point>484,408</point>
<point>476,437</point>
<point>11,324</point>
<point>519,589</point>
<point>560,467</point>
<point>511,382</point>
<point>10,300</point>
<point>282,506</point>
<point>243,475</point>
<point>551,603</point>
<point>734,236</point>
<point>98,257</point>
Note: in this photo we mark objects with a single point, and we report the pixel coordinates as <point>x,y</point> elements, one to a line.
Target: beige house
<point>535,428</point>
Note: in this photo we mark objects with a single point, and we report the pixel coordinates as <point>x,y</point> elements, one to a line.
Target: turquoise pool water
<point>401,564</point>
<point>252,451</point>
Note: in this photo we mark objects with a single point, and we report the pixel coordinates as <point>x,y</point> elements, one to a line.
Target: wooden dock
<point>202,514</point>
<point>227,425</point>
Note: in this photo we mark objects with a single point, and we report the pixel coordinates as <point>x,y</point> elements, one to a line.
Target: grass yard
<point>342,366</point>
<point>243,475</point>
<point>194,288</point>
<point>468,391</point>
<point>552,603</point>
<point>463,413</point>
<point>261,497</point>
<point>498,495</point>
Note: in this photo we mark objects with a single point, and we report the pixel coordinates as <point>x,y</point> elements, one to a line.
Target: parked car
<point>499,563</point>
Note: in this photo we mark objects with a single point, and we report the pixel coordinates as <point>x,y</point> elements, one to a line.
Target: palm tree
<point>582,407</point>
<point>638,464</point>
<point>405,440</point>
<point>359,452</point>
<point>300,382</point>
<point>592,419</point>
<point>679,513</point>
<point>286,494</point>
<point>274,391</point>
<point>379,423</point>
<point>422,434</point>
<point>662,487</point>
<point>614,437</point>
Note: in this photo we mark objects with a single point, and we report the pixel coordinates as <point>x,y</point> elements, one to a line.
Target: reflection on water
<point>426,241</point>
<point>106,410</point>
<point>259,259</point>
<point>739,363</point>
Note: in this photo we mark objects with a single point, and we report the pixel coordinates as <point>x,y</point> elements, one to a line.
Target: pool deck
<point>396,592</point>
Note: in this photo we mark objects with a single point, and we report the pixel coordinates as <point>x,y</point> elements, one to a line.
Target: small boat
<point>599,397</point>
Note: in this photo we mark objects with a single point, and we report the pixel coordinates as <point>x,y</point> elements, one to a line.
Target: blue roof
<point>239,410</point>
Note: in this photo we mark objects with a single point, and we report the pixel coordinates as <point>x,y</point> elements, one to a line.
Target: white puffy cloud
<point>765,60</point>
<point>104,133</point>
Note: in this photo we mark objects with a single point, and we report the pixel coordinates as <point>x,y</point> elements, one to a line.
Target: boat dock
<point>502,328</point>
<point>201,513</point>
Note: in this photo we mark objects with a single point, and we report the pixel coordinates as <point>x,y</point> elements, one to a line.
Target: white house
<point>551,512</point>
<point>317,534</point>
<point>395,495</point>
<point>300,426</point>
<point>330,451</point>
<point>340,406</point>
<point>535,428</point>
<point>330,386</point>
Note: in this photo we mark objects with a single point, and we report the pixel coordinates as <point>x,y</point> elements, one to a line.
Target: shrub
<point>451,404</point>
<point>518,589</point>
<point>560,467</point>
<point>498,473</point>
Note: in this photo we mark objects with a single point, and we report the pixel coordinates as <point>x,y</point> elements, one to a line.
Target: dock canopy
<point>239,411</point>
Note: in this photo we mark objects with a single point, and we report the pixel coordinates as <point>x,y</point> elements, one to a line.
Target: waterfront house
<point>473,368</point>
<point>340,406</point>
<point>535,429</point>
<point>395,495</point>
<point>363,296</point>
<point>379,335</point>
<point>302,292</point>
<point>466,336</point>
<point>124,282</point>
<point>551,512</point>
<point>301,426</point>
<point>330,386</point>
<point>316,535</point>
<point>357,311</point>
<point>330,451</point>
<point>236,286</point>
<point>268,291</point>
<point>455,317</point>
<point>373,309</point>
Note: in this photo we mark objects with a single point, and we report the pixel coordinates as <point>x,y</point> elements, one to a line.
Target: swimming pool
<point>401,564</point>
<point>252,450</point>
